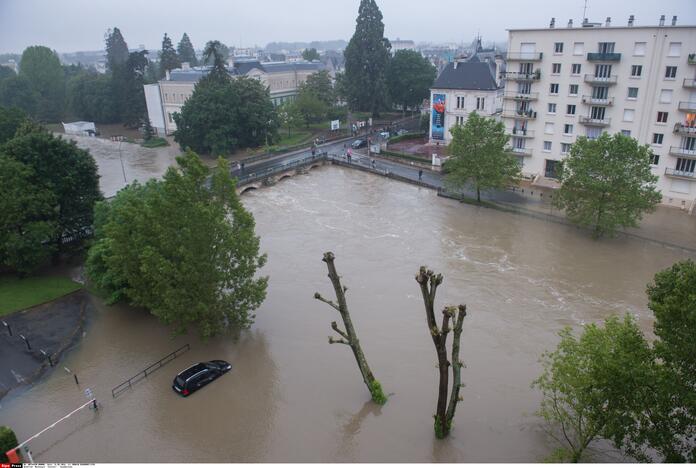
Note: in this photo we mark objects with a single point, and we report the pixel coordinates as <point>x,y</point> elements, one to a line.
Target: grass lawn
<point>296,137</point>
<point>21,293</point>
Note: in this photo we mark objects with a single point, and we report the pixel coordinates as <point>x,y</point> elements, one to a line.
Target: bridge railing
<point>259,175</point>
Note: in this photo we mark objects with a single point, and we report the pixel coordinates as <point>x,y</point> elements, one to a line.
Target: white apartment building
<point>464,86</point>
<point>282,78</point>
<point>565,82</point>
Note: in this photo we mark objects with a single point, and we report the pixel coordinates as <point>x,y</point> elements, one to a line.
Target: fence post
<point>7,325</point>
<point>26,341</point>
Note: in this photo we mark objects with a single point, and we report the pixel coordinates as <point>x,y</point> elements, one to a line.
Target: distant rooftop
<point>476,76</point>
<point>607,24</point>
<point>243,67</point>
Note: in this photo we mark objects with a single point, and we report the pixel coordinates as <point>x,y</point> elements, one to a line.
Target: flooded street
<point>292,397</point>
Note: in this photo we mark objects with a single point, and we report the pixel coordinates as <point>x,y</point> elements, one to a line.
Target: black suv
<point>197,376</point>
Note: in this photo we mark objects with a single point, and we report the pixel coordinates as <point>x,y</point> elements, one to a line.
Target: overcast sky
<point>72,25</point>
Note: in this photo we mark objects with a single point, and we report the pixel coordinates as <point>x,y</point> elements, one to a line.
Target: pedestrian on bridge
<point>420,174</point>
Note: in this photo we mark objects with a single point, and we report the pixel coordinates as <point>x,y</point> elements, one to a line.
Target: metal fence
<point>126,384</point>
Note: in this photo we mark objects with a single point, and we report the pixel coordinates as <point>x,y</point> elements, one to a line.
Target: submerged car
<point>199,375</point>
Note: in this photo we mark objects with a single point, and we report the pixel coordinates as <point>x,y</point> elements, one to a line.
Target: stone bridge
<point>272,175</point>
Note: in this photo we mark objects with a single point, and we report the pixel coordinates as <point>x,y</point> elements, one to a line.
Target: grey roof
<point>243,67</point>
<point>467,75</point>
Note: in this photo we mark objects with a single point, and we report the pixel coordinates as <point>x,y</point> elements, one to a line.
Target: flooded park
<point>291,396</point>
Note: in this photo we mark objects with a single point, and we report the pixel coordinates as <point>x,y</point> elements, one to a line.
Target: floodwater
<point>292,397</point>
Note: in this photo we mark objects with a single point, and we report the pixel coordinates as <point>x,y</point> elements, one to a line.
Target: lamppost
<point>120,156</point>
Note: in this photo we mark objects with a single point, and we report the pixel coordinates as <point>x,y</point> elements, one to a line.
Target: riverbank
<point>22,293</point>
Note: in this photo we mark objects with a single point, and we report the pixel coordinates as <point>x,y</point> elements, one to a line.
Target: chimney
<point>662,20</point>
<point>608,23</point>
<point>631,19</point>
<point>674,20</point>
<point>553,23</point>
<point>570,23</point>
<point>585,21</point>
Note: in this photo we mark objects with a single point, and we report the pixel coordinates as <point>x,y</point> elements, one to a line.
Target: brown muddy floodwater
<point>292,397</point>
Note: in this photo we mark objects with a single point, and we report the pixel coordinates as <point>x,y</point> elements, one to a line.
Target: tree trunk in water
<point>349,337</point>
<point>445,412</point>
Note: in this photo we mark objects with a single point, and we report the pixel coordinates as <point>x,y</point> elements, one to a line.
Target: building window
<point>459,120</point>
<point>547,146</point>
<point>665,96</point>
<point>169,116</point>
<point>555,68</point>
<point>657,138</point>
<point>568,129</point>
<point>629,115</point>
<point>565,148</point>
<point>636,70</point>
<point>593,132</point>
<point>460,102</point>
<point>626,133</point>
<point>639,49</point>
<point>575,69</point>
<point>632,93</point>
<point>552,108</point>
<point>606,48</point>
<point>686,165</point>
<point>558,48</point>
<point>662,117</point>
<point>573,90</point>
<point>674,49</point>
<point>548,128</point>
<point>552,168</point>
<point>654,159</point>
<point>570,110</point>
<point>554,88</point>
<point>480,103</point>
<point>578,48</point>
<point>671,72</point>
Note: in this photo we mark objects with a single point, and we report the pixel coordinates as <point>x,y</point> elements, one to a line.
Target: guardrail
<point>254,176</point>
<point>126,384</point>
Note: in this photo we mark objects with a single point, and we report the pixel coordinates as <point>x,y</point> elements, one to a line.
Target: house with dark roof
<point>464,86</point>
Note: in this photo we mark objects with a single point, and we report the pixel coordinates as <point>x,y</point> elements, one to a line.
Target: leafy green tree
<point>479,156</point>
<point>89,97</point>
<point>116,49</point>
<point>214,54</point>
<point>67,171</point>
<point>319,84</point>
<point>10,120</point>
<point>134,108</point>
<point>8,441</point>
<point>41,67</point>
<point>27,212</point>
<point>290,116</point>
<point>409,78</point>
<point>607,183</point>
<point>186,51</point>
<point>367,58</point>
<point>6,72</point>
<point>341,87</point>
<point>310,54</point>
<point>312,109</point>
<point>17,92</point>
<point>183,247</point>
<point>257,118</point>
<point>592,386</point>
<point>169,59</point>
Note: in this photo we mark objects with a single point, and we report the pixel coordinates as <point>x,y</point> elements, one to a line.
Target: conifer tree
<point>186,51</point>
<point>116,49</point>
<point>169,59</point>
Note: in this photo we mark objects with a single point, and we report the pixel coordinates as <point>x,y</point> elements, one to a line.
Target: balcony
<point>689,83</point>
<point>691,60</point>
<point>520,151</point>
<point>682,152</point>
<point>517,96</point>
<point>685,129</point>
<point>688,106</point>
<point>520,76</point>
<point>594,122</point>
<point>600,79</point>
<point>521,133</point>
<point>680,174</point>
<point>524,56</point>
<point>603,57</point>
<point>519,114</point>
<point>593,101</point>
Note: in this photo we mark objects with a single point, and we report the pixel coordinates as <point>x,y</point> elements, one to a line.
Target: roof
<point>467,75</point>
<point>243,67</point>
<point>595,28</point>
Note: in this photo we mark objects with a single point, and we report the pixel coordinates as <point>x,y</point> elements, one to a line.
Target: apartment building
<point>282,78</point>
<point>565,82</point>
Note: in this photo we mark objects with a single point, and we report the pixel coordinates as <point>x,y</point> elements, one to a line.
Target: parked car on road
<point>358,144</point>
<point>199,375</point>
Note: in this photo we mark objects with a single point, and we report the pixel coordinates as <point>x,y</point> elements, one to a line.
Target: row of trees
<point>611,383</point>
<point>606,183</point>
<point>48,188</point>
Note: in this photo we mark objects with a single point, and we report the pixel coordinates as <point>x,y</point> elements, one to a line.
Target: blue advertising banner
<point>438,121</point>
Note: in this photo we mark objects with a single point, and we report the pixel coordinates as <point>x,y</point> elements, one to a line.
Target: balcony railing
<point>603,57</point>
<point>520,76</point>
<point>679,151</point>
<point>689,83</point>
<point>685,129</point>
<point>517,114</point>
<point>681,174</point>
<point>521,133</point>
<point>520,151</point>
<point>524,56</point>
<point>600,79</point>
<point>689,106</point>
<point>517,96</point>
<point>595,122</point>
<point>607,101</point>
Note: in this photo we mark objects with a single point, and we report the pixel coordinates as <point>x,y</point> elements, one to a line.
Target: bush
<point>8,441</point>
<point>406,136</point>
<point>155,142</point>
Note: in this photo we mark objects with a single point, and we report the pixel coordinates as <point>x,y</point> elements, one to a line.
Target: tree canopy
<point>367,58</point>
<point>215,54</point>
<point>607,183</point>
<point>6,72</point>
<point>116,49</point>
<point>186,51</point>
<point>319,85</point>
<point>182,247</point>
<point>17,92</point>
<point>479,156</point>
<point>409,78</point>
<point>10,121</point>
<point>310,54</point>
<point>90,98</point>
<point>169,59</point>
<point>41,68</point>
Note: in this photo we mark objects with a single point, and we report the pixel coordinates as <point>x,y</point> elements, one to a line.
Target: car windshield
<point>180,382</point>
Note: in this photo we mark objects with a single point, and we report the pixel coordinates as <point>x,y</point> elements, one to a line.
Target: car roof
<point>191,371</point>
